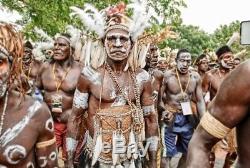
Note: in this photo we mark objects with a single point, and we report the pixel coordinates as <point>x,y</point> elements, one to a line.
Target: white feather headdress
<point>92,19</point>
<point>100,23</point>
<point>41,47</point>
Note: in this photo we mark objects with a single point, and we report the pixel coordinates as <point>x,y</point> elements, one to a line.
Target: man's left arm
<point>201,107</point>
<point>151,124</point>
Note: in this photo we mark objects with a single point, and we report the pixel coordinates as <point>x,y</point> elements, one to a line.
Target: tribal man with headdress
<point>26,128</point>
<point>30,68</point>
<point>115,97</point>
<point>58,79</point>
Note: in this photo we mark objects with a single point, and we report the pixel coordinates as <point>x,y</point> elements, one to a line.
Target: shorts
<point>178,136</point>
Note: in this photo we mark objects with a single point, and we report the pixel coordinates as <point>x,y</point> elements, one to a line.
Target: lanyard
<point>179,81</point>
<point>59,83</point>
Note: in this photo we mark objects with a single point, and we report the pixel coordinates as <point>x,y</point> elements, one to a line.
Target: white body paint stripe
<point>14,150</point>
<point>92,75</point>
<point>49,123</point>
<point>44,161</point>
<point>13,132</point>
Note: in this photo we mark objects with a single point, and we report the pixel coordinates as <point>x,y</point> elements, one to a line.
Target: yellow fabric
<point>214,126</point>
<point>46,143</point>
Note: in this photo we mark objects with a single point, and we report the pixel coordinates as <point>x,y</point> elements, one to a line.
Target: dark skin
<point>162,65</point>
<point>118,46</point>
<point>19,149</point>
<point>30,69</point>
<point>213,78</point>
<point>202,66</point>
<point>232,98</point>
<point>171,88</point>
<point>63,63</point>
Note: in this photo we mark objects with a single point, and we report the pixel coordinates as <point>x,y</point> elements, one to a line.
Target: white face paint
<point>147,110</point>
<point>12,151</point>
<point>71,144</point>
<point>45,161</point>
<point>3,88</point>
<point>80,100</point>
<point>141,78</point>
<point>53,156</point>
<point>92,75</point>
<point>13,132</point>
<point>30,165</point>
<point>49,125</point>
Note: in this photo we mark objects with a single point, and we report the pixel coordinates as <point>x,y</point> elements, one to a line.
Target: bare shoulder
<point>209,74</point>
<point>195,75</point>
<point>142,75</point>
<point>39,108</point>
<point>44,65</point>
<point>77,65</point>
<point>158,74</point>
<point>239,76</point>
<point>236,85</point>
<point>244,67</point>
<point>90,76</point>
<point>168,74</point>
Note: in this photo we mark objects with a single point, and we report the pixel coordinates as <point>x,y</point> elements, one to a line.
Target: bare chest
<point>182,86</point>
<point>18,136</point>
<point>215,82</point>
<point>115,92</point>
<point>60,80</point>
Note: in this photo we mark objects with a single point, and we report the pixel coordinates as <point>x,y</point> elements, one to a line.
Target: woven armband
<point>46,143</point>
<point>80,100</point>
<point>214,126</point>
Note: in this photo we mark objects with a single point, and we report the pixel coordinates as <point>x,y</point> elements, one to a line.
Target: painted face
<point>183,62</point>
<point>4,73</point>
<point>203,65</point>
<point>118,44</point>
<point>162,65</point>
<point>61,50</point>
<point>236,62</point>
<point>227,60</point>
<point>152,56</point>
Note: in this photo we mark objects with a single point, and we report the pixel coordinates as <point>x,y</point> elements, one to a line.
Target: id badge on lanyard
<point>186,108</point>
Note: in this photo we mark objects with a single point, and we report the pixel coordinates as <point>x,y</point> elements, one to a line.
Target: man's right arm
<point>227,110</point>
<point>165,115</point>
<point>80,105</point>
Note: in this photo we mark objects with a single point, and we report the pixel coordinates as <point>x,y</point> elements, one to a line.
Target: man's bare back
<point>231,108</point>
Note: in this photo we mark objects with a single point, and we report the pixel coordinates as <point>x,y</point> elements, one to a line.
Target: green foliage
<point>53,15</point>
<point>222,34</point>
<point>191,38</point>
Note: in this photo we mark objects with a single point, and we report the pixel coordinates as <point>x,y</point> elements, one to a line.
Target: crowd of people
<point>122,104</point>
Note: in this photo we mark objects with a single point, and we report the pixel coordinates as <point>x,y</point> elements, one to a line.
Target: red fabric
<point>60,132</point>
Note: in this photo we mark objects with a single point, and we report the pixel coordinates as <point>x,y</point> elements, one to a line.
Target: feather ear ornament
<point>97,149</point>
<point>141,18</point>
